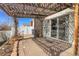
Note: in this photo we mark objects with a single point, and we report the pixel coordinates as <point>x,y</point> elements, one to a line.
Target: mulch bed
<point>7,48</point>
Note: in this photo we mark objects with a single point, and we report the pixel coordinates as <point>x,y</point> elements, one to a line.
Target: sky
<point>4,18</point>
<point>24,20</point>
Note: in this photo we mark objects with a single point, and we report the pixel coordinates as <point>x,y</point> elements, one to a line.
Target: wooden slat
<point>33,8</point>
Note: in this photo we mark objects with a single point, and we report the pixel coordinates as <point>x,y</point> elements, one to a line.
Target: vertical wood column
<point>16,25</point>
<point>76,30</point>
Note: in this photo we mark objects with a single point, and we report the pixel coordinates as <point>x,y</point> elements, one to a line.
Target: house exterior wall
<point>38,27</point>
<point>47,28</point>
<point>7,34</point>
<point>69,29</point>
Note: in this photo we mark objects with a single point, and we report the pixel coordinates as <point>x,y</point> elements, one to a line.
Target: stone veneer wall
<point>71,28</point>
<point>38,27</point>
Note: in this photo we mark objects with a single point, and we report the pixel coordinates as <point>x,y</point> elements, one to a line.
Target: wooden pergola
<point>40,10</point>
<point>33,9</point>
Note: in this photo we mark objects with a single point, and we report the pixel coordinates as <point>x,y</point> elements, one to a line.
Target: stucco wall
<point>6,34</point>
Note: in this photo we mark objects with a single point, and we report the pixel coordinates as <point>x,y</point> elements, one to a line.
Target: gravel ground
<point>6,49</point>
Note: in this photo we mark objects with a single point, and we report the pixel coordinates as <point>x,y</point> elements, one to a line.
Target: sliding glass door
<point>54,28</point>
<point>63,27</point>
<point>59,27</point>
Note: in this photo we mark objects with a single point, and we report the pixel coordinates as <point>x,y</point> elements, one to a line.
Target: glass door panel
<point>54,28</point>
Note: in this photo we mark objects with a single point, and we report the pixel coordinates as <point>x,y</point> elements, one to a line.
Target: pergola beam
<point>63,12</point>
<point>27,15</point>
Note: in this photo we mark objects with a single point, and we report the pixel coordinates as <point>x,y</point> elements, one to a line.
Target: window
<point>60,29</point>
<point>54,28</point>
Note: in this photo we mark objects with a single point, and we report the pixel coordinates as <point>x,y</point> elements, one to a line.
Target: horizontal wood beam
<point>27,15</point>
<point>64,12</point>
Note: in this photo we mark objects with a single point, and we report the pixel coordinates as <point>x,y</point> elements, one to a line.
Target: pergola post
<point>16,26</point>
<point>75,42</point>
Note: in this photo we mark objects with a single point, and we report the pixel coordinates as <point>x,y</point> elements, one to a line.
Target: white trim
<point>64,12</point>
<point>57,28</point>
